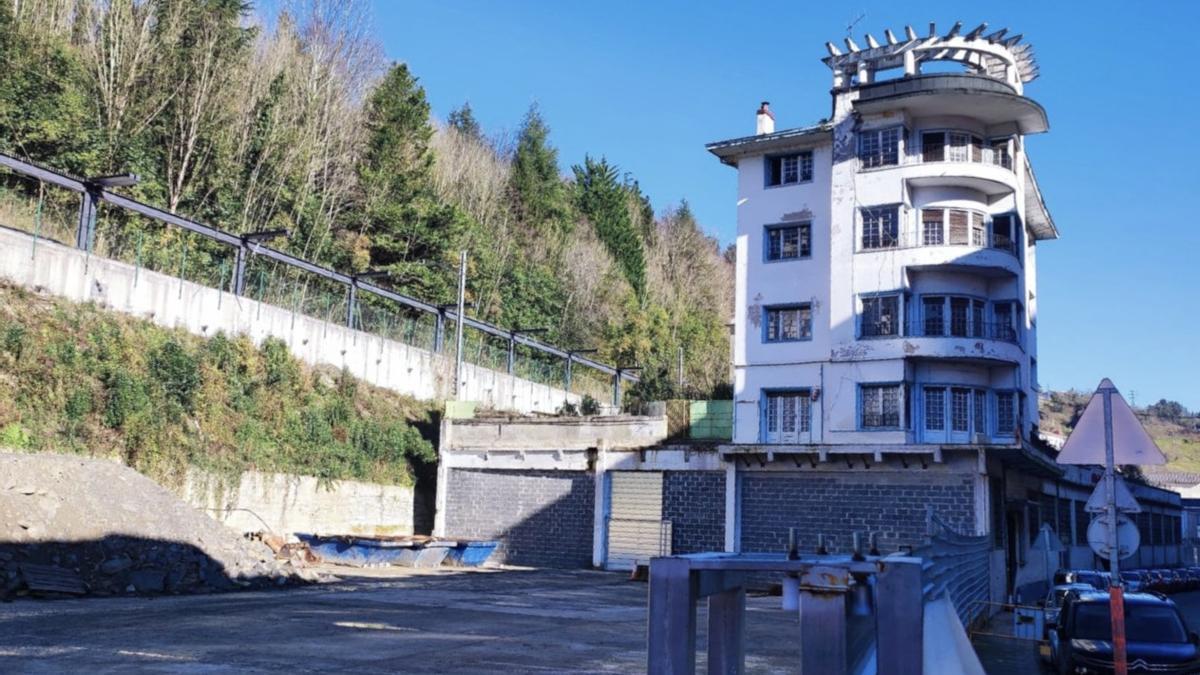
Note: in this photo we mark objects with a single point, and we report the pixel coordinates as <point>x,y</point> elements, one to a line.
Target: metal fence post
<point>823,621</point>
<point>351,297</point>
<point>727,632</point>
<point>672,629</point>
<point>617,388</point>
<point>85,233</point>
<point>899,618</point>
<point>439,331</point>
<point>239,270</point>
<point>567,376</point>
<point>512,352</point>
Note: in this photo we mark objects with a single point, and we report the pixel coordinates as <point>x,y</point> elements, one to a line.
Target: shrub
<point>176,373</point>
<point>280,366</point>
<point>589,406</point>
<point>12,435</point>
<point>79,404</point>
<point>568,409</point>
<point>13,340</point>
<point>127,397</point>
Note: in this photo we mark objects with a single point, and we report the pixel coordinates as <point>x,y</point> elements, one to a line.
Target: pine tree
<point>463,120</point>
<point>413,236</point>
<point>541,198</point>
<point>606,203</point>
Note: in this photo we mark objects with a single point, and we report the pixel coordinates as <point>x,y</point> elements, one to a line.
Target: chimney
<point>765,120</point>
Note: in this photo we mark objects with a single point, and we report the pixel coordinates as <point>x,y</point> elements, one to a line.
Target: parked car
<point>1156,637</point>
<point>1054,600</point>
<point>1132,581</point>
<point>1089,577</point>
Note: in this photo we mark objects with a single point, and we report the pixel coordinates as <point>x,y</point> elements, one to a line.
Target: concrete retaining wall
<point>172,302</point>
<point>562,433</point>
<point>286,504</point>
<point>542,518</point>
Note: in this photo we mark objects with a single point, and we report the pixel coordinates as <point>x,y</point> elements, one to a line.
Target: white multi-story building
<point>886,258</point>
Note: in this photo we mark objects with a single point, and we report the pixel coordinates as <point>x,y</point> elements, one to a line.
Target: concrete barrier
<point>176,303</point>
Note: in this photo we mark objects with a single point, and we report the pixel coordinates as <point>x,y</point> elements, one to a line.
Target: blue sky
<point>648,84</point>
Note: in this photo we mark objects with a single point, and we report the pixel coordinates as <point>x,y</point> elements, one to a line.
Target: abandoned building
<point>885,349</point>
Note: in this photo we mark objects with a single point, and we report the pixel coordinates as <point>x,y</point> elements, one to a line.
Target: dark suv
<point>1156,638</point>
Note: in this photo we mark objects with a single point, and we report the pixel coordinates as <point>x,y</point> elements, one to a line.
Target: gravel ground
<point>117,531</point>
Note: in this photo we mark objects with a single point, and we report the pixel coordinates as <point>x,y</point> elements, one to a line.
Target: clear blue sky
<point>647,84</point>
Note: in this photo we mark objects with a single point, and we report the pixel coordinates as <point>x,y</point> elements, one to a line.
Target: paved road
<point>512,621</point>
<point>1006,656</point>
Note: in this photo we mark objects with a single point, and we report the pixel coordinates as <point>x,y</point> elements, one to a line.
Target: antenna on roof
<point>850,27</point>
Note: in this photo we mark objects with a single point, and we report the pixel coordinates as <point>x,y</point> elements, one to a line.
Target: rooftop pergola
<point>993,55</point>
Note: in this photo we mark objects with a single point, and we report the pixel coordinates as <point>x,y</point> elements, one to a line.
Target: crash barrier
<point>957,565</point>
<point>888,589</point>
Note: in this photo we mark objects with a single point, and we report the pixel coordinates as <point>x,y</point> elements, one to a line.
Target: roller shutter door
<point>636,529</point>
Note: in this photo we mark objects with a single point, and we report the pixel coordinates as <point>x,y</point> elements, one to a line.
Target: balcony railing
<point>985,330</point>
<point>888,242</point>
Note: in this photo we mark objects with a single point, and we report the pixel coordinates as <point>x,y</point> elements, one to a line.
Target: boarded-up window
<point>958,226</point>
<point>978,231</point>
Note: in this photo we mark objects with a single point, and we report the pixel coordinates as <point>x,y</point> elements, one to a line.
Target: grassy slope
<point>77,378</point>
<point>1180,440</point>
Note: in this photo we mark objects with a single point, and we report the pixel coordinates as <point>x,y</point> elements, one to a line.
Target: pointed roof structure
<point>1131,443</point>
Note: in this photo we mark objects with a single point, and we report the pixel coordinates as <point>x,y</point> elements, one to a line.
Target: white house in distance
<point>886,259</point>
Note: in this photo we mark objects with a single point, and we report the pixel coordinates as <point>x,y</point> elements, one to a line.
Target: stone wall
<point>541,518</point>
<point>837,504</point>
<point>286,504</point>
<point>694,502</point>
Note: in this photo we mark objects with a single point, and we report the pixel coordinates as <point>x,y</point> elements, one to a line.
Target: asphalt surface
<point>510,621</point>
<point>1008,656</point>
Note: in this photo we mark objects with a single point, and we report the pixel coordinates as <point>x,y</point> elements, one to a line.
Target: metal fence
<point>82,212</point>
<point>958,565</point>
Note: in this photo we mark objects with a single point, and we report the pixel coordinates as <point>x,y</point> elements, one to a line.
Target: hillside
<point>1176,432</point>
<point>75,378</point>
<point>287,116</point>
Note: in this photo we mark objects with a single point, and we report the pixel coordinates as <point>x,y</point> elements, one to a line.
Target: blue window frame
<point>881,406</point>
<point>1006,413</point>
<point>786,415</point>
<point>880,227</point>
<point>788,242</point>
<point>790,169</point>
<point>881,315</point>
<point>787,323</point>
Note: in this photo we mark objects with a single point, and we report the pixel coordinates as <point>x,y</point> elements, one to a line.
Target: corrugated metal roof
<point>728,151</point>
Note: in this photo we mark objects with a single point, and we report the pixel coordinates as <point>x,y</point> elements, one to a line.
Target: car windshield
<point>1143,623</point>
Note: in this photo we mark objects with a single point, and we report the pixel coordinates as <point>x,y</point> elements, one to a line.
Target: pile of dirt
<point>77,525</point>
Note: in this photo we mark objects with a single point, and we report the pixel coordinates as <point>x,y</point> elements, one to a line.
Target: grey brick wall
<point>694,502</point>
<point>838,504</point>
<point>542,518</point>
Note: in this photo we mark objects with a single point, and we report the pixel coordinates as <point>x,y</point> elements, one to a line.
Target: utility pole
<point>458,352</point>
<point>1116,595</point>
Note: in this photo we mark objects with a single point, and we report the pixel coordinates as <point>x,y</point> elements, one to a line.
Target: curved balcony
<point>997,259</point>
<point>983,98</point>
<point>978,350</point>
<point>990,179</point>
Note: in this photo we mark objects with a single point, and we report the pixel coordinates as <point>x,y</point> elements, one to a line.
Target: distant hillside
<point>1174,429</point>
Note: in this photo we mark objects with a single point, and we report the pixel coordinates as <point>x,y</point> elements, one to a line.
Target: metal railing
<point>984,330</point>
<point>958,565</point>
<point>906,239</point>
<point>246,247</point>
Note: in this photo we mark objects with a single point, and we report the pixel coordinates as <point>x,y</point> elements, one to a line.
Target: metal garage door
<point>636,529</point>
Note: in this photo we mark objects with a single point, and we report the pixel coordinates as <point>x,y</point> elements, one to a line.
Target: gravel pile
<point>106,529</point>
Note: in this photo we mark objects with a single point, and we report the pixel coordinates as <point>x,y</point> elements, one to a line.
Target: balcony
<point>990,101</point>
<point>981,330</point>
<point>987,253</point>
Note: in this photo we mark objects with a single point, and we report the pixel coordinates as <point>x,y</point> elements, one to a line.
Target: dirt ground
<point>466,622</point>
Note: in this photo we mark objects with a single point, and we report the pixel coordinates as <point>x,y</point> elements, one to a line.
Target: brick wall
<point>694,502</point>
<point>542,518</point>
<point>838,504</point>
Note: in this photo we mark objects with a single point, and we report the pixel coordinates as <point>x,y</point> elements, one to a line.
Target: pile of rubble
<point>72,525</point>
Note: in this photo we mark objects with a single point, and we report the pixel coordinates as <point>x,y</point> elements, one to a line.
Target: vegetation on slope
<point>296,121</point>
<point>80,379</point>
<point>1173,428</point>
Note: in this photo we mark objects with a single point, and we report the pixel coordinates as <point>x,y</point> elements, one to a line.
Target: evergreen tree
<point>412,235</point>
<point>463,120</point>
<point>605,201</point>
<point>541,198</point>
